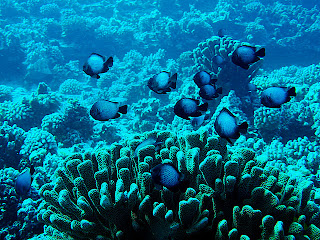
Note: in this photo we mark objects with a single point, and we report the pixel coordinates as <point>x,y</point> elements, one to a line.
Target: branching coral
<point>109,193</point>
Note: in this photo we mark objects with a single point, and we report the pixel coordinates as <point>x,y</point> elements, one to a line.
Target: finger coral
<point>110,194</point>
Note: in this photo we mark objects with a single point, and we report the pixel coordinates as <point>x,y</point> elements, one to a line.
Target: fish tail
<point>123,109</point>
<point>173,80</point>
<point>243,127</point>
<point>107,65</point>
<point>32,170</point>
<point>109,62</point>
<point>219,90</point>
<point>203,107</point>
<point>292,92</point>
<point>261,52</point>
<point>213,80</point>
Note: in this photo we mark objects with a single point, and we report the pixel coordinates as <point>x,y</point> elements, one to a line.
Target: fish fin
<point>164,91</point>
<point>261,52</point>
<point>243,127</point>
<point>97,54</point>
<point>246,66</point>
<point>229,141</point>
<point>197,114</point>
<point>292,92</point>
<point>197,101</point>
<point>228,111</point>
<point>213,81</point>
<point>203,107</point>
<point>123,109</point>
<point>219,90</point>
<point>32,170</point>
<point>117,115</point>
<point>173,80</point>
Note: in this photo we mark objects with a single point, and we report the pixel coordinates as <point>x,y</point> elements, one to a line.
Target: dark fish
<point>210,92</point>
<point>24,180</point>
<point>218,60</point>
<point>149,141</point>
<point>96,64</point>
<point>167,175</point>
<point>273,97</point>
<point>243,56</point>
<point>203,78</point>
<point>226,125</point>
<point>162,82</point>
<point>187,107</point>
<point>104,110</point>
<point>221,32</point>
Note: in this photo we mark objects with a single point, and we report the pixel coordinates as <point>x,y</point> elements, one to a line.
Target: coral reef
<point>70,86</point>
<point>109,194</point>
<point>18,221</point>
<point>28,111</point>
<point>70,125</point>
<point>37,144</point>
<point>11,141</point>
<point>229,75</point>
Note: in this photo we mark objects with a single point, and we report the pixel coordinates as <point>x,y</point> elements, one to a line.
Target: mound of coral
<point>109,194</point>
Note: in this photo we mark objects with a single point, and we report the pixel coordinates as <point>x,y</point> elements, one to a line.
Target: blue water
<point>46,97</point>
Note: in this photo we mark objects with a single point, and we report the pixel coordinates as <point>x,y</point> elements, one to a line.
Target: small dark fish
<point>104,110</point>
<point>210,92</point>
<point>167,175</point>
<point>218,60</point>
<point>226,125</point>
<point>162,83</point>
<point>97,64</point>
<point>273,97</point>
<point>149,141</point>
<point>24,180</point>
<point>187,107</point>
<point>243,56</point>
<point>203,78</point>
<point>221,32</point>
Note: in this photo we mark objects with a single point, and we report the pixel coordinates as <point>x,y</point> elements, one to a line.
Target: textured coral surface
<point>90,183</point>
